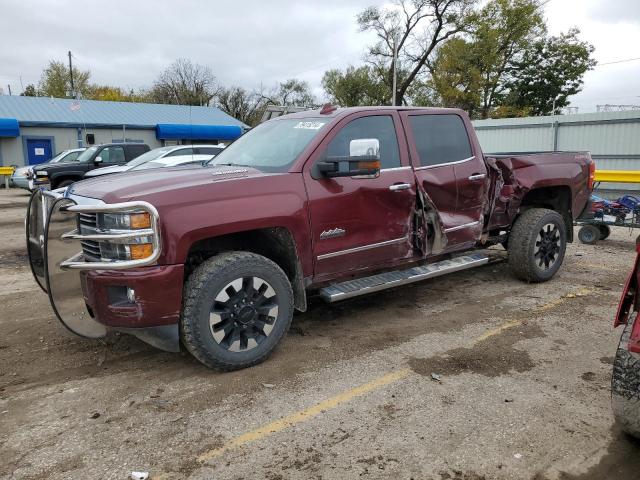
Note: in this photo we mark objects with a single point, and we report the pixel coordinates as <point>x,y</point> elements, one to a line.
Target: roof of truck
<point>334,112</point>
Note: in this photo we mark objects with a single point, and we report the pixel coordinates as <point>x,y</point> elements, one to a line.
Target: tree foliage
<point>30,91</point>
<point>185,83</point>
<point>550,70</point>
<point>56,81</point>
<point>355,86</point>
<point>290,93</point>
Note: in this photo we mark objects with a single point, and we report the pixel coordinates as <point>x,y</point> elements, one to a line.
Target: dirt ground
<point>465,377</point>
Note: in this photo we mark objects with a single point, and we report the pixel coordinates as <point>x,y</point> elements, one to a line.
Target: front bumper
<point>20,182</point>
<point>157,298</point>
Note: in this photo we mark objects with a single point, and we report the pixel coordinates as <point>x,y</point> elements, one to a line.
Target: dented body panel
<point>322,230</point>
<point>629,306</point>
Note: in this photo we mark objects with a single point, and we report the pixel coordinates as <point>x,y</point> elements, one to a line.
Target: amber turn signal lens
<point>372,165</point>
<point>140,220</point>
<point>140,251</point>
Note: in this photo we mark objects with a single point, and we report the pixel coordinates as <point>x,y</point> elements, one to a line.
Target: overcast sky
<point>249,42</point>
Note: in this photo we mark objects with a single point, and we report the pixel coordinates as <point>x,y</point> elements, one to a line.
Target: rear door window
<point>380,127</point>
<point>440,139</point>
<point>180,151</point>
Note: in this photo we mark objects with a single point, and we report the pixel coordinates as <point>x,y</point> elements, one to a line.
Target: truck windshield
<point>272,146</point>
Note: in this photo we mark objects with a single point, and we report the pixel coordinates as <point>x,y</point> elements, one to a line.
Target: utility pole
<point>73,90</point>
<point>395,61</point>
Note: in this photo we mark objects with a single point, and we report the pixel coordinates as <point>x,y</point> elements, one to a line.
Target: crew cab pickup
<point>342,202</point>
<point>60,175</point>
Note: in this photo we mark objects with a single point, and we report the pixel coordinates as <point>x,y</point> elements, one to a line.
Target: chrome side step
<point>382,281</point>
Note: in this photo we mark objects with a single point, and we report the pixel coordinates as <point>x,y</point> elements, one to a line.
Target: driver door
<point>360,223</point>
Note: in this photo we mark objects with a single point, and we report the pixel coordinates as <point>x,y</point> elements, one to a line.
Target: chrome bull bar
<point>55,253</point>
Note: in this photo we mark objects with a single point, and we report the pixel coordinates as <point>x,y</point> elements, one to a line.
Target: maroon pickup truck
<point>342,202</point>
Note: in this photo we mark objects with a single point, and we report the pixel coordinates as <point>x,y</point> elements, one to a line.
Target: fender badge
<point>333,233</point>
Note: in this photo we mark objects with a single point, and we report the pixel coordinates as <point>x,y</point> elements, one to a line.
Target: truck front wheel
<point>625,386</point>
<point>537,244</point>
<point>237,307</point>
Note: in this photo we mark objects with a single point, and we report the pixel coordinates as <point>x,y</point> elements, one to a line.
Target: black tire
<point>589,234</point>
<point>64,183</point>
<point>535,255</point>
<point>241,317</point>
<point>605,231</point>
<point>625,386</point>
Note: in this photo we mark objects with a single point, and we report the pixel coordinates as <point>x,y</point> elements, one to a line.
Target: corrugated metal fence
<point>613,138</point>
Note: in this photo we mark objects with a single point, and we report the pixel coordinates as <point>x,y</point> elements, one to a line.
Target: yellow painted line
<point>301,416</point>
<point>593,265</point>
<point>333,402</point>
<point>496,331</point>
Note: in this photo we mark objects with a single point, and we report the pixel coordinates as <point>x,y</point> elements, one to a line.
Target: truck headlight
<point>124,221</point>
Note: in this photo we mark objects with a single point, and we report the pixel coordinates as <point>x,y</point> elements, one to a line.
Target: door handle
<point>397,187</point>
<point>477,176</point>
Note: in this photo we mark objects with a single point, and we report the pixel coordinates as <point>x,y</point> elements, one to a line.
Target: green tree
<point>355,86</point>
<point>55,81</point>
<point>474,73</point>
<point>549,72</point>
<point>30,91</point>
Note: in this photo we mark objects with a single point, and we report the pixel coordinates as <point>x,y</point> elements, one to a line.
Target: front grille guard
<point>78,261</point>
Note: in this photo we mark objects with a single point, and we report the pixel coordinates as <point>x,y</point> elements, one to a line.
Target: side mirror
<point>363,160</point>
<point>97,160</point>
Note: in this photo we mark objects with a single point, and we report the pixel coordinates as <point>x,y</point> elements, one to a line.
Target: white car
<point>205,151</point>
<point>22,175</point>
<point>173,162</point>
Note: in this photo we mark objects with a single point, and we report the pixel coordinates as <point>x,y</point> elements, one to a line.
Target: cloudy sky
<point>253,42</point>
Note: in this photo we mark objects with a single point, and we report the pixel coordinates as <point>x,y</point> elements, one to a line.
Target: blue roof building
<point>34,129</point>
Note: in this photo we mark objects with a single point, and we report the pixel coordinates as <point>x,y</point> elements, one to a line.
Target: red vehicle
<point>340,201</point>
<point>625,381</point>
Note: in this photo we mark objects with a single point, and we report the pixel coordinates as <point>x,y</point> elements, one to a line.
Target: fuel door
<point>63,283</point>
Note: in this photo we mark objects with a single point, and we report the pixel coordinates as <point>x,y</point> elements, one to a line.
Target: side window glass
<point>380,127</point>
<point>105,154</point>
<point>112,155</point>
<point>440,139</point>
<point>182,151</point>
<point>72,157</point>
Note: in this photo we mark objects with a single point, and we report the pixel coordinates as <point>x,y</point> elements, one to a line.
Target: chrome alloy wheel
<point>243,314</point>
<point>548,245</point>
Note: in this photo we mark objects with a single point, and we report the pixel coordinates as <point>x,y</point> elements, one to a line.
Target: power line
<point>618,61</point>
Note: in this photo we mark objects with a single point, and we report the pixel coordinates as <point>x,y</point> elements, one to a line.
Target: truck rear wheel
<point>625,386</point>
<point>237,307</point>
<point>537,244</point>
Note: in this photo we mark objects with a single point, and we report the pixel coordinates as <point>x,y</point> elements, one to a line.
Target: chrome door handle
<point>396,187</point>
<point>477,176</point>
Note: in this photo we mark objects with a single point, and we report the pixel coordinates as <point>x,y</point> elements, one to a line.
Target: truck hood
<point>161,185</point>
<point>105,170</point>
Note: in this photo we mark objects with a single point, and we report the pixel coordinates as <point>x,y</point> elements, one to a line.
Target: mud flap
<point>34,230</point>
<point>62,283</point>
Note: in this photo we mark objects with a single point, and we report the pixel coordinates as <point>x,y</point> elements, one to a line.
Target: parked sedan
<point>209,151</point>
<point>22,175</point>
<point>177,161</point>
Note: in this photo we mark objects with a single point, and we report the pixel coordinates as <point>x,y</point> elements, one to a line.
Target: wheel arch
<point>557,198</point>
<point>275,243</point>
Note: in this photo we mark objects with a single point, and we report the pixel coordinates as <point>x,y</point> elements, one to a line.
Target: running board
<point>382,281</point>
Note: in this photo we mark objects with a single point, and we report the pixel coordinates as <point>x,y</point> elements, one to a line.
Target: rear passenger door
<point>448,171</point>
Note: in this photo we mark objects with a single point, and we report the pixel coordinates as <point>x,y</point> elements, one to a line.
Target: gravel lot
<point>521,387</point>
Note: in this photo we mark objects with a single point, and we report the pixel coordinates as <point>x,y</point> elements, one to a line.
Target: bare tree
<point>414,28</point>
<point>185,83</point>
<point>290,93</point>
<point>241,104</point>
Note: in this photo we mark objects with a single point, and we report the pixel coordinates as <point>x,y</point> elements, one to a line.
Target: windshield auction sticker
<point>310,125</point>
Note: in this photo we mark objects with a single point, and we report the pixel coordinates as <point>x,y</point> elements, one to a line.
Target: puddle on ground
<point>492,357</point>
